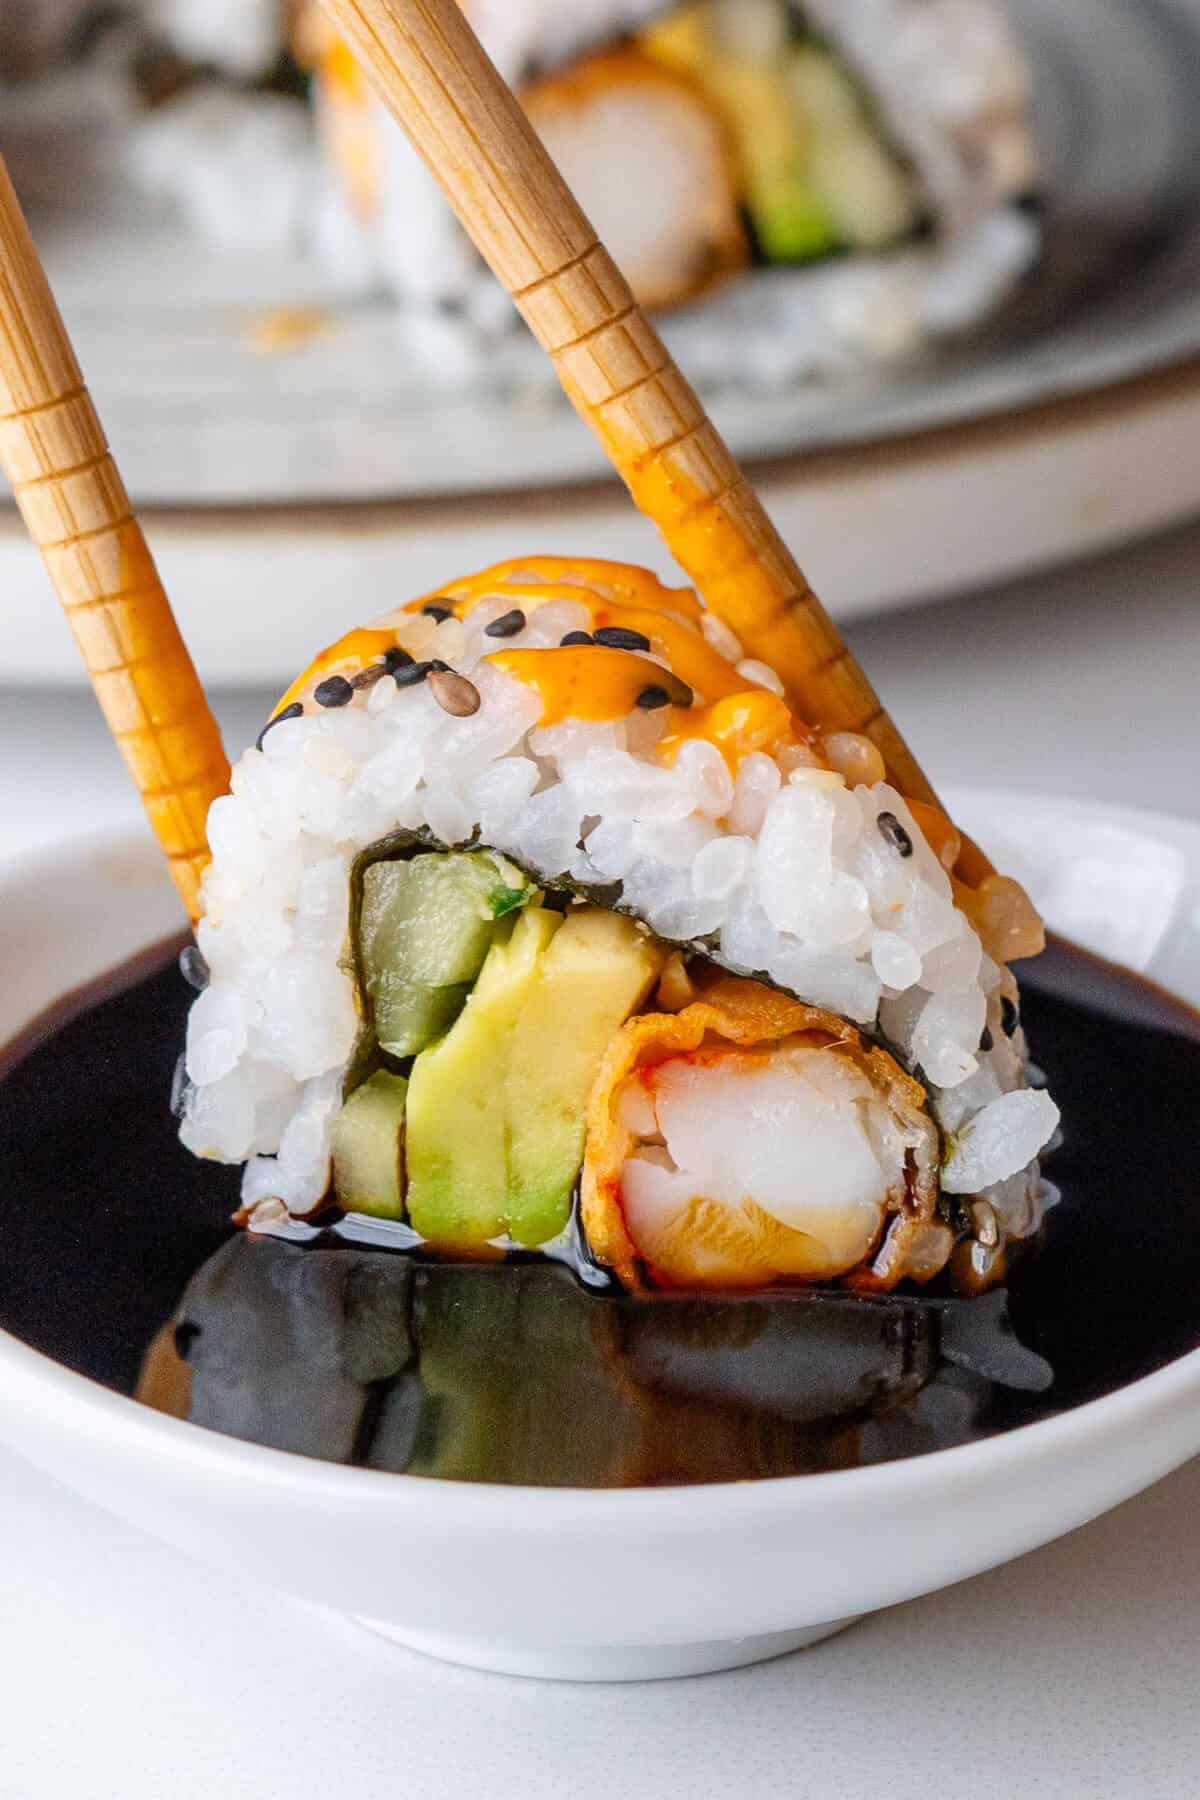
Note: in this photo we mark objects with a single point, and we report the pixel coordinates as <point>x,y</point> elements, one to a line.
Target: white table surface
<point>127,1671</point>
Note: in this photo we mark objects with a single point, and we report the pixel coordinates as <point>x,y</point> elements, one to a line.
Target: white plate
<point>199,416</point>
<point>604,1584</point>
<point>259,592</point>
<point>967,469</point>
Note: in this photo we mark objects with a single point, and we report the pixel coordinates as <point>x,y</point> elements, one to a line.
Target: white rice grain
<point>796,881</point>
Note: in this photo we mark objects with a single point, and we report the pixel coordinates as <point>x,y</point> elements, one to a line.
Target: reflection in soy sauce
<point>1114,1289</point>
<point>517,1373</point>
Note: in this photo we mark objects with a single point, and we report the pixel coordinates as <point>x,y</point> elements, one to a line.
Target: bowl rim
<point>86,1410</point>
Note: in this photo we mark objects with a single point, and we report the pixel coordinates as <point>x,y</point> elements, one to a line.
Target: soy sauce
<point>117,1259</point>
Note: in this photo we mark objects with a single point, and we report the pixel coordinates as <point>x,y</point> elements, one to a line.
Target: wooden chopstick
<point>429,68</point>
<point>54,452</point>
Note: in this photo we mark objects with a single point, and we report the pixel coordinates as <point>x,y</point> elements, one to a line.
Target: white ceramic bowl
<point>629,1584</point>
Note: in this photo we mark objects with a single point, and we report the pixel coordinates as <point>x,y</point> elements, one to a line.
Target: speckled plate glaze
<point>200,417</point>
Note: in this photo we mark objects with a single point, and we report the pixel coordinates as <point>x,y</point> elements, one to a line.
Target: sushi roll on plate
<point>887,149</point>
<point>538,920</point>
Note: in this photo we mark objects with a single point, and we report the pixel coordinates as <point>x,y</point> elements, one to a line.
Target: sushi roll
<point>538,915</point>
<point>703,138</point>
<point>875,157</point>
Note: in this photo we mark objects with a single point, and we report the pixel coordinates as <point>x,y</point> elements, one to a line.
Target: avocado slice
<point>598,969</point>
<point>742,71</point>
<point>790,219</point>
<point>368,1148</point>
<point>471,1410</point>
<point>425,926</point>
<point>456,1145</point>
<point>866,193</point>
<point>818,174</point>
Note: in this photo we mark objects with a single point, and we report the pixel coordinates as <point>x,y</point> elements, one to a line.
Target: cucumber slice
<point>865,192</point>
<point>431,919</point>
<point>794,226</point>
<point>756,29</point>
<point>823,93</point>
<point>368,1148</point>
<point>409,1014</point>
<point>868,196</point>
<point>426,926</point>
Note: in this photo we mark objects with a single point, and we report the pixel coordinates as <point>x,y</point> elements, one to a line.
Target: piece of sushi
<point>700,138</point>
<point>536,908</point>
<point>875,156</point>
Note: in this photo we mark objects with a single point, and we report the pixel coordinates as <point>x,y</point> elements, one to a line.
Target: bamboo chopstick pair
<point>430,69</point>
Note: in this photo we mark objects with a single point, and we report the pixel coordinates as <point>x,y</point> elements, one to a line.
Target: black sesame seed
<point>434,611</point>
<point>334,692</point>
<point>193,967</point>
<point>397,659</point>
<point>186,1333</point>
<point>412,674</point>
<point>577,637</point>
<point>442,668</point>
<point>619,637</point>
<point>652,697</point>
<point>366,678</point>
<point>1010,1018</point>
<point>293,711</point>
<point>894,833</point>
<point>507,626</point>
<point>986,1041</point>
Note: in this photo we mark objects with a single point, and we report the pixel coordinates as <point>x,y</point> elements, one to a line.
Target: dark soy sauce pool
<point>116,1258</point>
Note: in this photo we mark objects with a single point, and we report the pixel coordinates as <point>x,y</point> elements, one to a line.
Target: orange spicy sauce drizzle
<point>582,578</point>
<point>738,724</point>
<point>736,719</point>
<point>364,645</point>
<point>594,682</point>
<point>586,683</point>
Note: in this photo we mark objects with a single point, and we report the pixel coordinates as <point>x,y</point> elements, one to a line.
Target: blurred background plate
<point>172,331</point>
<point>258,591</point>
<point>335,470</point>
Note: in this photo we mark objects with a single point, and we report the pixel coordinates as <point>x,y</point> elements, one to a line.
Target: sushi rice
<point>821,882</point>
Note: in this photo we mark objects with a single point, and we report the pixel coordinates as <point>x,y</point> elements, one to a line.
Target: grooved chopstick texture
<point>429,68</point>
<point>72,498</point>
